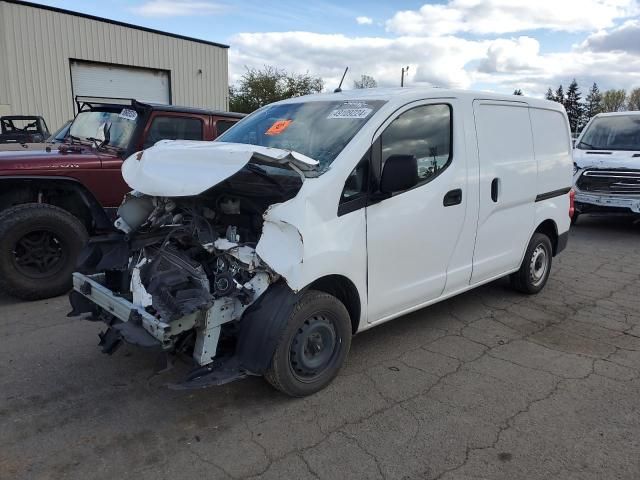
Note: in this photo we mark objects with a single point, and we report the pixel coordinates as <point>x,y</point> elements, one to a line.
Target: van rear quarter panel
<point>552,147</point>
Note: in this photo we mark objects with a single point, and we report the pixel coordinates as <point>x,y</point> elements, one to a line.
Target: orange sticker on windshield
<point>278,127</point>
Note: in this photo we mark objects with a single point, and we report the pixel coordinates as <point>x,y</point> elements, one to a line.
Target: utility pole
<point>404,70</point>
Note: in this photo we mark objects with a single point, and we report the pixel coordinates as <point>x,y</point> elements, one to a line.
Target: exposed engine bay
<point>202,256</point>
<point>186,266</point>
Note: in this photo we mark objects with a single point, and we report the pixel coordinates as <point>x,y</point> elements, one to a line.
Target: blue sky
<point>487,44</point>
<point>247,16</point>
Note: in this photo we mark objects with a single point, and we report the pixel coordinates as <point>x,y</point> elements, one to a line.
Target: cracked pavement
<point>490,384</point>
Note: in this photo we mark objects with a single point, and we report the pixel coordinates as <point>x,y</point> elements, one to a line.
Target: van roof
<point>408,94</point>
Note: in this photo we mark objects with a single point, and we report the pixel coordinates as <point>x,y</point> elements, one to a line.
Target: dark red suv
<point>52,200</point>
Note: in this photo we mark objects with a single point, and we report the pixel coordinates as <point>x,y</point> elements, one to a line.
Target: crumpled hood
<point>606,159</point>
<point>178,168</point>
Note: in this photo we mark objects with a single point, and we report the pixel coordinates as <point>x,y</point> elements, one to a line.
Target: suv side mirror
<point>400,173</point>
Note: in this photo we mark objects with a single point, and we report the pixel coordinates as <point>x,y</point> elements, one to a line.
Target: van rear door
<point>508,178</point>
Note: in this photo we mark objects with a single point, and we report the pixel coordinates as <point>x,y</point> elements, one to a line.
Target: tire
<point>536,266</point>
<point>39,244</point>
<point>319,322</point>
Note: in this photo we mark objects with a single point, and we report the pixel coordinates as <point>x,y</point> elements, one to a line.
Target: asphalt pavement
<point>490,384</point>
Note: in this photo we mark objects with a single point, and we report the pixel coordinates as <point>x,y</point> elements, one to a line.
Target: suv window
<point>424,132</point>
<point>173,128</point>
<point>223,125</point>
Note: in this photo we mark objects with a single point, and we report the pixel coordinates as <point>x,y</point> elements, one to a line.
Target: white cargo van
<point>318,217</point>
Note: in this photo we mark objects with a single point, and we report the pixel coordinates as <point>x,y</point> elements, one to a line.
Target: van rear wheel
<point>313,346</point>
<point>536,266</point>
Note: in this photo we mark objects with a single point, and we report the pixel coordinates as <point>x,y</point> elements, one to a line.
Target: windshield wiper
<point>589,146</point>
<point>100,145</point>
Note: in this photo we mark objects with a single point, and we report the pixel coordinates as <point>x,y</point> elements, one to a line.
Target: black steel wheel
<point>39,244</point>
<point>313,347</point>
<point>536,266</point>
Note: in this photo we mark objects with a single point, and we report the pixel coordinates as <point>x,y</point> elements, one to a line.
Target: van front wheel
<point>313,346</point>
<point>536,266</point>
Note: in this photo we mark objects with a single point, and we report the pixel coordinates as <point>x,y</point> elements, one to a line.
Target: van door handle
<point>453,197</point>
<point>494,189</point>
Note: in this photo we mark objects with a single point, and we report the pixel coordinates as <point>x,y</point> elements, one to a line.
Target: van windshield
<point>319,130</point>
<point>619,132</point>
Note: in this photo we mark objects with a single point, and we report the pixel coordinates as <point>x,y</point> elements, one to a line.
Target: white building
<point>49,55</point>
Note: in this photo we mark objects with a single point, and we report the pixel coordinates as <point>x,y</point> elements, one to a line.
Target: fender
<point>98,213</point>
<point>262,325</point>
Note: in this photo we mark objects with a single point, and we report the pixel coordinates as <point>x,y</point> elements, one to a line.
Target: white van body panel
<point>552,148</point>
<point>415,221</point>
<point>507,170</point>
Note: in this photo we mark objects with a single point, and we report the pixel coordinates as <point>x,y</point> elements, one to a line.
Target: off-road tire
<point>525,280</point>
<point>313,305</point>
<point>20,220</point>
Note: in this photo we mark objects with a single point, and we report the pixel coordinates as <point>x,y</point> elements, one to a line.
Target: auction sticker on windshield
<point>128,114</point>
<point>278,127</point>
<point>351,110</point>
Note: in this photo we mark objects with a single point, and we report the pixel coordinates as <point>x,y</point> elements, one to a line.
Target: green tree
<point>592,104</point>
<point>366,81</point>
<point>559,95</point>
<point>517,91</point>
<point>573,106</point>
<point>550,95</point>
<point>259,87</point>
<point>634,99</point>
<point>614,100</point>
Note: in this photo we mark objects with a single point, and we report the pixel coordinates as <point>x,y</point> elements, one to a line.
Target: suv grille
<point>610,181</point>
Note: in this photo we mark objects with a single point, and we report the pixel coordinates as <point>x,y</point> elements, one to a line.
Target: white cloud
<point>506,16</point>
<point>512,55</point>
<point>625,38</point>
<point>447,61</point>
<point>364,20</point>
<point>426,41</point>
<point>172,8</point>
<point>539,72</point>
<point>433,61</point>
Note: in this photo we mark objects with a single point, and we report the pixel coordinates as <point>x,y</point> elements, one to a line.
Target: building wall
<point>39,43</point>
<point>4,80</point>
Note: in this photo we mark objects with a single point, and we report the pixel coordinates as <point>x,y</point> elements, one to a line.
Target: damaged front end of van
<point>198,256</point>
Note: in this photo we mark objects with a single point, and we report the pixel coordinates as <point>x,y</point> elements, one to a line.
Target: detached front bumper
<point>89,287</point>
<point>589,201</point>
<point>133,324</point>
<point>126,321</point>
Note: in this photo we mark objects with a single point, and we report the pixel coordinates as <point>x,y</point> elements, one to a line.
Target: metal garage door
<point>101,80</point>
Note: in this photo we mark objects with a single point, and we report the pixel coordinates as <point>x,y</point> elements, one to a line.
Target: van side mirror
<point>400,173</point>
